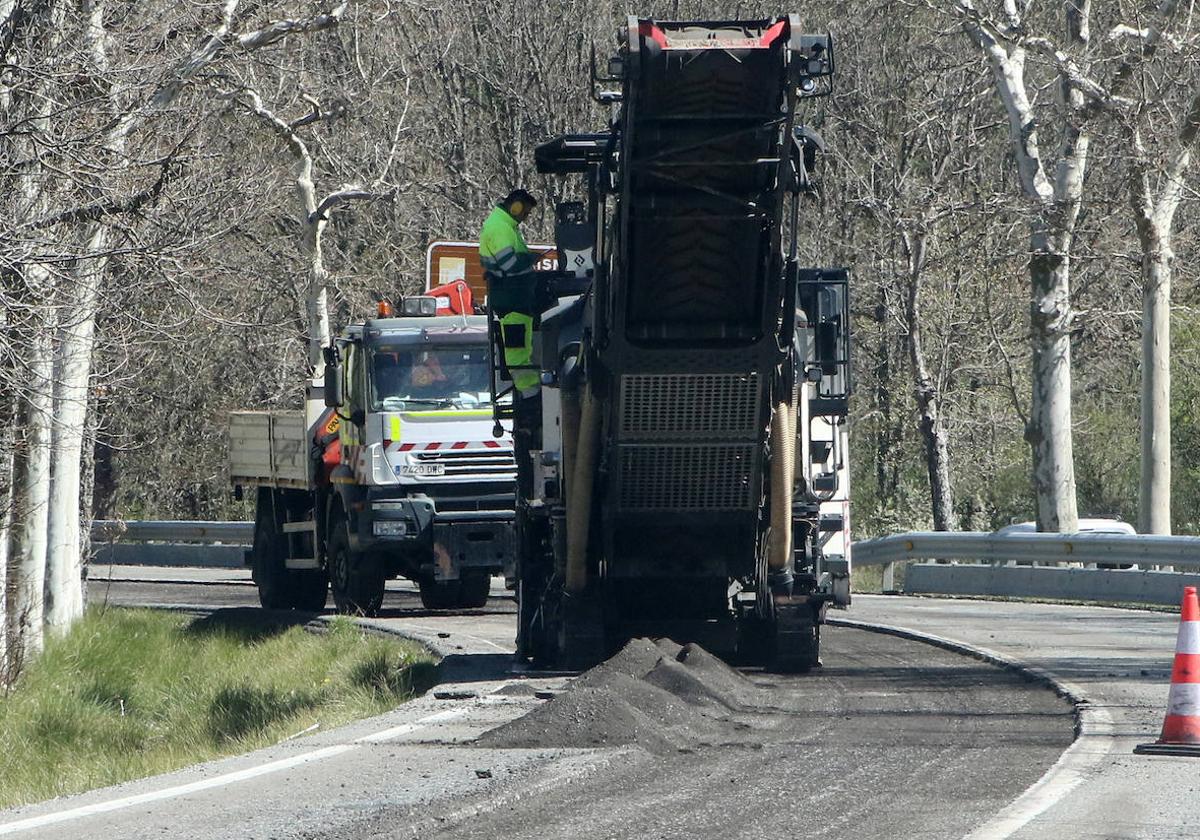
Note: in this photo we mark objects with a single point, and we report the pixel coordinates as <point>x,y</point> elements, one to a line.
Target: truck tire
<point>267,569</point>
<point>439,594</point>
<point>473,590</point>
<point>355,579</point>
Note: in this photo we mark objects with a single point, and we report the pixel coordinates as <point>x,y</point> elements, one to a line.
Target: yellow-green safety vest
<point>503,254</point>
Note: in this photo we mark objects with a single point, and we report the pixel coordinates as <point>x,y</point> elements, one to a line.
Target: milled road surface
<point>878,743</point>
<point>891,739</point>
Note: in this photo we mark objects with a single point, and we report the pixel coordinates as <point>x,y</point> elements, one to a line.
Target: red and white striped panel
<point>433,446</point>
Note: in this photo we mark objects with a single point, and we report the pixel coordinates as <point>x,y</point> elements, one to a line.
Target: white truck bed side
<point>268,448</point>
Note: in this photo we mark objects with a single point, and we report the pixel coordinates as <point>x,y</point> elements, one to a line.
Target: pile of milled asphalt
<point>653,694</point>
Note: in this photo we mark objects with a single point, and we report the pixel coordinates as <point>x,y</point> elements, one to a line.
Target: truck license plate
<point>423,469</point>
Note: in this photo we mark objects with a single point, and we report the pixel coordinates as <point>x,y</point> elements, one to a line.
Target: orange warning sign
<point>447,262</point>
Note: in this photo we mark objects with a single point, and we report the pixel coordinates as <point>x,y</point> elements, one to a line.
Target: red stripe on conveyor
<point>771,34</point>
<point>649,30</point>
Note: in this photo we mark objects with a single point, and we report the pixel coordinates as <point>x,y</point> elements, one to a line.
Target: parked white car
<point>1086,526</point>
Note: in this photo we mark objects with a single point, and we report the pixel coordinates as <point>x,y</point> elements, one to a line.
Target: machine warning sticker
<point>332,424</point>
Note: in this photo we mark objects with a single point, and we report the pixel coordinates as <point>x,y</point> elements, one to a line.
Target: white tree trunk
<point>64,573</point>
<point>1055,190</point>
<point>1049,431</point>
<point>317,296</point>
<point>73,368</point>
<point>26,607</point>
<point>1154,513</point>
<point>33,381</point>
<point>1155,219</point>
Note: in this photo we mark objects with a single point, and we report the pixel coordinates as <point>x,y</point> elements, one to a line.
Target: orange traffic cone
<point>1181,726</point>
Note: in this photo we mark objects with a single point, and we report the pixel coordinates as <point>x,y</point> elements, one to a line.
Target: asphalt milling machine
<point>683,470</point>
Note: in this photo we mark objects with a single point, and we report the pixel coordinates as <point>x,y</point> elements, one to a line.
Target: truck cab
<point>421,482</point>
<point>402,474</point>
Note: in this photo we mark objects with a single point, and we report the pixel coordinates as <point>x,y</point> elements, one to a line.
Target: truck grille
<point>480,462</point>
<point>690,405</point>
<point>687,477</point>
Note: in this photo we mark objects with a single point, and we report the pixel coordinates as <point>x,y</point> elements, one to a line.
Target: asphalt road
<point>1117,664</point>
<point>892,738</point>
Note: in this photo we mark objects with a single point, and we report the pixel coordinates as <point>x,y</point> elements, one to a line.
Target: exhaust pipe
<point>783,474</point>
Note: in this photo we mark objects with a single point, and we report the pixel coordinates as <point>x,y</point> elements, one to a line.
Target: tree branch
<point>280,29</point>
<point>98,210</point>
<point>1185,144</point>
<point>219,41</point>
<point>1075,77</point>
<point>344,195</point>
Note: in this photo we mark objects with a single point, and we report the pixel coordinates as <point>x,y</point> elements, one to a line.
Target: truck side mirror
<point>333,378</point>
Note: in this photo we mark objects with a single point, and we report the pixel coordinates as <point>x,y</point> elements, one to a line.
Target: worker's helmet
<point>518,201</point>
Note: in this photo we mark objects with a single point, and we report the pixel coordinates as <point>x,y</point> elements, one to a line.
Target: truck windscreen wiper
<point>436,403</point>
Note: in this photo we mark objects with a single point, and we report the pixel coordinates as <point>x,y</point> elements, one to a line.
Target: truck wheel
<point>439,594</point>
<point>355,580</point>
<point>267,570</point>
<point>473,590</point>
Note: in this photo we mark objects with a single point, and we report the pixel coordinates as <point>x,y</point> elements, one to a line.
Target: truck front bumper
<point>472,540</point>
<point>450,542</point>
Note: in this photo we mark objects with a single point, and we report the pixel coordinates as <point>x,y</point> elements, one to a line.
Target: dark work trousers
<point>527,435</point>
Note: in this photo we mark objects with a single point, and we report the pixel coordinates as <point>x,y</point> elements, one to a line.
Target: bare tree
<point>314,216</point>
<point>1154,214</point>
<point>31,103</point>
<point>71,197</point>
<point>1053,185</point>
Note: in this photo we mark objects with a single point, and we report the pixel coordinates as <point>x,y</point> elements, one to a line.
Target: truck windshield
<point>408,377</point>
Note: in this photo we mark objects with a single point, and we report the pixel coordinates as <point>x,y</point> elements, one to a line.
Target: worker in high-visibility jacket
<point>512,287</point>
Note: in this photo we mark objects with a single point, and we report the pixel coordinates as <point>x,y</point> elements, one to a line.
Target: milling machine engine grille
<point>689,405</point>
<point>686,477</point>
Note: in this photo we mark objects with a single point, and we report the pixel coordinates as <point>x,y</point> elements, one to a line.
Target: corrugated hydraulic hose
<point>783,468</point>
<point>579,504</point>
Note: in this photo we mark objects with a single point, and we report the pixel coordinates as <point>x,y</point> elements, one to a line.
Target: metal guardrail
<point>987,546</point>
<point>1042,557</point>
<point>170,543</point>
<point>1032,564</point>
<point>144,530</point>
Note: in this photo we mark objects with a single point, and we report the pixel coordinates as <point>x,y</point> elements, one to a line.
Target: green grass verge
<point>132,693</point>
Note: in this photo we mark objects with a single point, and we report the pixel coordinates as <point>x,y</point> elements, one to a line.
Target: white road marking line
<point>230,778</point>
<point>406,728</point>
<point>172,792</point>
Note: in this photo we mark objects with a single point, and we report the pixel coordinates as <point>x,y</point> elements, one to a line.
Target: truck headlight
<point>389,528</point>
